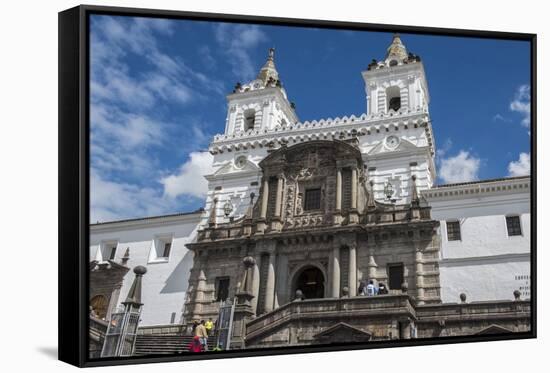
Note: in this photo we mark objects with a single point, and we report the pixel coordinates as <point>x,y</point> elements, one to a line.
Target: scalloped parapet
<point>323,129</point>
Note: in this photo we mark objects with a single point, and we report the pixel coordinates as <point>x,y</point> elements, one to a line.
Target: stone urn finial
<point>463,297</point>
<point>299,295</point>
<point>345,291</point>
<point>517,295</point>
<point>404,287</point>
<point>249,261</point>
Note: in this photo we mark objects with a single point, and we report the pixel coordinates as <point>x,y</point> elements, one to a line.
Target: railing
<point>168,329</point>
<point>98,328</point>
<point>327,307</point>
<point>450,311</point>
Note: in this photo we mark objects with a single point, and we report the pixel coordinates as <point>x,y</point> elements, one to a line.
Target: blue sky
<point>158,92</point>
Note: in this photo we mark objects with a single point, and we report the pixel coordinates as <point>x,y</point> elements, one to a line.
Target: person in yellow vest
<point>209,325</point>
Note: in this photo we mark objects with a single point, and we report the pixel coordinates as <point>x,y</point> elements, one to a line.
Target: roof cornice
<point>494,186</point>
<point>147,221</point>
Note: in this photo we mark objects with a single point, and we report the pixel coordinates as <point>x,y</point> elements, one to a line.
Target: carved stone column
<point>352,277</point>
<point>278,196</point>
<point>276,222</point>
<point>418,260</point>
<point>354,188</point>
<point>281,292</point>
<point>270,284</point>
<point>338,212</point>
<point>265,196</point>
<point>335,271</point>
<point>260,227</point>
<point>256,282</point>
<point>353,215</point>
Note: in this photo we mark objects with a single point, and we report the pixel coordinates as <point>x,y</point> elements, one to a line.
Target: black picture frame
<point>74,160</point>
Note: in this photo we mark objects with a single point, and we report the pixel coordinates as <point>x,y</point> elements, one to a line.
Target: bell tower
<point>403,144</point>
<point>396,84</point>
<point>261,104</point>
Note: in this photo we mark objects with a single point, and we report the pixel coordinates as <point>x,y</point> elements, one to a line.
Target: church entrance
<point>311,282</point>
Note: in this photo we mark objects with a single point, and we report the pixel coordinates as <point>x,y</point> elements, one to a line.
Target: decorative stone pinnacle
<point>396,49</point>
<point>268,73</point>
<point>134,294</point>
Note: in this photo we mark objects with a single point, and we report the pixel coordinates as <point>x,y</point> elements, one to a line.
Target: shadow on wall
<point>178,280</point>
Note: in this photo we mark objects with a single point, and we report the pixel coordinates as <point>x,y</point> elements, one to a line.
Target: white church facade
<point>484,226</point>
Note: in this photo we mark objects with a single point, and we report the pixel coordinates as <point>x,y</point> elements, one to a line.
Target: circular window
<point>392,142</point>
<point>240,161</point>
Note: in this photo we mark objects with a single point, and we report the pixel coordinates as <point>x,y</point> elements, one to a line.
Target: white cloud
<point>110,200</point>
<point>521,167</point>
<point>522,104</point>
<point>460,168</point>
<point>128,133</point>
<point>125,130</point>
<point>501,118</point>
<point>190,178</point>
<point>236,40</point>
<point>443,149</point>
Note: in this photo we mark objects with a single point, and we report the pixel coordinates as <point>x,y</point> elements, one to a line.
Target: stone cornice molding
<point>486,259</point>
<point>337,128</point>
<point>498,186</point>
<point>153,221</point>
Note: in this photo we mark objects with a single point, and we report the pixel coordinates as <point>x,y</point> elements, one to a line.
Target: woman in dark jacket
<point>382,289</point>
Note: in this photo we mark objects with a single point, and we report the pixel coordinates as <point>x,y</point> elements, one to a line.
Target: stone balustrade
<point>328,308</point>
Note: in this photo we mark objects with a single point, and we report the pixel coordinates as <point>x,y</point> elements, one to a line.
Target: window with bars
<point>312,200</point>
<point>453,231</point>
<point>513,224</point>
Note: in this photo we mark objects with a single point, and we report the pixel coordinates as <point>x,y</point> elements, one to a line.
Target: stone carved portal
<point>305,167</point>
<point>311,281</point>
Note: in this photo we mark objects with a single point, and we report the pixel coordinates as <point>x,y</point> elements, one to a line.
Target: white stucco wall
<point>490,278</point>
<point>165,283</point>
<point>486,264</point>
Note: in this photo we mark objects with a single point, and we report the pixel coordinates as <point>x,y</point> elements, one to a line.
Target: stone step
<point>165,344</point>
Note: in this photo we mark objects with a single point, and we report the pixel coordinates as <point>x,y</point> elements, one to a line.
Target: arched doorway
<point>99,305</point>
<point>311,282</point>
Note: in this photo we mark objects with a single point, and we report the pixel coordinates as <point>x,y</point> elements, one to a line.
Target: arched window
<point>249,119</point>
<point>99,306</point>
<point>393,97</point>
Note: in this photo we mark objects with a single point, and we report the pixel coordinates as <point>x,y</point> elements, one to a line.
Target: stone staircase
<point>165,344</point>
